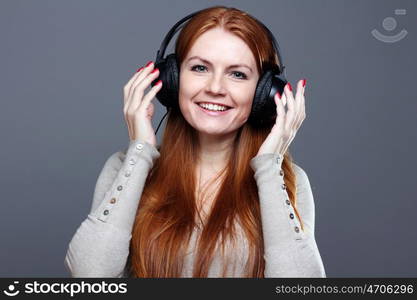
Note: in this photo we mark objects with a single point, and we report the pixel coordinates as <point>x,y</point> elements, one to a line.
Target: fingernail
<point>140,69</point>
<point>154,70</point>
<point>304,82</point>
<point>289,86</point>
<point>279,95</point>
<point>158,82</point>
<point>148,64</point>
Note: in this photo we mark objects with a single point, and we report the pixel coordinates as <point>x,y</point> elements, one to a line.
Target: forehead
<point>219,46</point>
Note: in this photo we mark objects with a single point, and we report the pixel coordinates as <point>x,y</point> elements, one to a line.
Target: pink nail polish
<point>279,95</point>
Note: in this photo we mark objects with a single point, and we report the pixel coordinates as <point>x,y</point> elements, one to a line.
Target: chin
<point>213,131</point>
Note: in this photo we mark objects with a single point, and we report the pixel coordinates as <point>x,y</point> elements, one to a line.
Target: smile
<point>213,110</point>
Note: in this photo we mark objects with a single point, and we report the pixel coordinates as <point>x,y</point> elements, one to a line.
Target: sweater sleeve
<point>100,246</point>
<point>289,251</point>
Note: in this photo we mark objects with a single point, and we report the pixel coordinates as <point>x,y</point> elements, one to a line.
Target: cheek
<point>188,86</point>
<point>244,99</point>
<point>245,111</point>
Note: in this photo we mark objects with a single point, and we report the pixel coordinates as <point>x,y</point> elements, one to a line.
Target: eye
<point>238,75</point>
<point>242,74</point>
<point>193,68</point>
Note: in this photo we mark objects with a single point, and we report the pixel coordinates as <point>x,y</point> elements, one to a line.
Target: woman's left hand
<point>287,123</point>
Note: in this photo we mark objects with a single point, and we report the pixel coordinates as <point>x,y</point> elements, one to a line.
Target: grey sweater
<point>100,246</point>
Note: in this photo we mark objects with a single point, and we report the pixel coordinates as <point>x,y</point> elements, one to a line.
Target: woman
<point>218,198</point>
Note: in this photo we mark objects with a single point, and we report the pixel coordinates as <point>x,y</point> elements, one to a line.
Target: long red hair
<point>167,210</point>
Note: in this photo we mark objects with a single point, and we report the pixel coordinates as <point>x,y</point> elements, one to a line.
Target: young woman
<point>218,197</point>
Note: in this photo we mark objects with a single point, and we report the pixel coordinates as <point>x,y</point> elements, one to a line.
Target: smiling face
<point>219,68</point>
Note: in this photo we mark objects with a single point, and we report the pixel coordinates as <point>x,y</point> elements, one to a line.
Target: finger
<point>137,96</point>
<point>280,110</point>
<point>304,86</point>
<point>143,74</point>
<point>284,100</point>
<point>290,116</point>
<point>150,95</point>
<point>138,72</point>
<point>127,86</point>
<point>299,103</point>
<point>303,106</point>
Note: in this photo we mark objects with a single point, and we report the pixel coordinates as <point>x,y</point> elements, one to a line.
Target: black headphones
<point>263,111</point>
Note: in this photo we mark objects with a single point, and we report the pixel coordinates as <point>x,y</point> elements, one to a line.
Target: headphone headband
<point>161,52</point>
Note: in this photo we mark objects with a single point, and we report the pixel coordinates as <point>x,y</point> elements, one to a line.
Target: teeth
<point>213,107</point>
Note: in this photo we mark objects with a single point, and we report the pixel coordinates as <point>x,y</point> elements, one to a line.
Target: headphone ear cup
<point>169,74</point>
<point>263,111</point>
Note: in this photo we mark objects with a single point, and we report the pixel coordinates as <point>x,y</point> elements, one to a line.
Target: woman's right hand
<point>138,108</point>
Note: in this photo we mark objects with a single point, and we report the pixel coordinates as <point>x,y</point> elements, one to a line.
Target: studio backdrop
<point>63,68</point>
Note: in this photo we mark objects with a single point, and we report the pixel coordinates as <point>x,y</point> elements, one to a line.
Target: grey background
<point>63,67</point>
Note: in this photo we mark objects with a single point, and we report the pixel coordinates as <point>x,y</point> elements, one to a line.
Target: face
<point>219,68</point>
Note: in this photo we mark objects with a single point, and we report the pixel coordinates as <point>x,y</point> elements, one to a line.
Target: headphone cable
<point>161,121</point>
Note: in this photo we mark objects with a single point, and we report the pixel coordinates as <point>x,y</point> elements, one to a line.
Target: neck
<point>215,150</point>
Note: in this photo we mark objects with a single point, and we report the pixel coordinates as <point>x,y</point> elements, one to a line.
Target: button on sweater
<point>100,245</point>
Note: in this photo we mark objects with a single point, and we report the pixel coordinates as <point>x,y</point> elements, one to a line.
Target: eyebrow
<point>207,62</point>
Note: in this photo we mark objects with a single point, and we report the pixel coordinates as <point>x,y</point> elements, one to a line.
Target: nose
<point>215,84</point>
